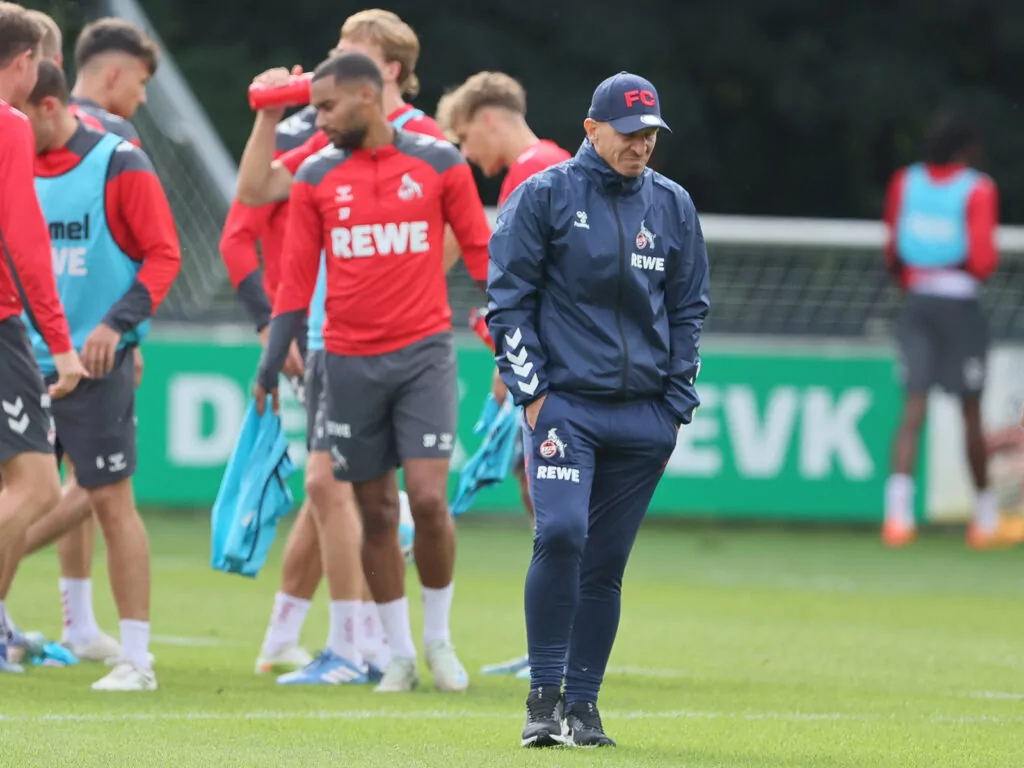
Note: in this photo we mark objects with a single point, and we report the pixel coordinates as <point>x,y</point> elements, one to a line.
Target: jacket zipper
<point>618,305</point>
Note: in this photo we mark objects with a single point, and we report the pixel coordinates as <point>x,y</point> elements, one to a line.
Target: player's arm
<point>982,221</point>
<point>261,179</point>
<point>687,299</point>
<point>142,224</point>
<point>299,268</point>
<point>242,230</point>
<point>465,214</point>
<point>518,249</point>
<point>25,236</point>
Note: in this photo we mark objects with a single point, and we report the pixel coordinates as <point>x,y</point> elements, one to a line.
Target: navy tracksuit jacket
<point>598,289</point>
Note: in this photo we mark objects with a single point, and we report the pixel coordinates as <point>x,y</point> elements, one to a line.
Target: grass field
<point>738,647</point>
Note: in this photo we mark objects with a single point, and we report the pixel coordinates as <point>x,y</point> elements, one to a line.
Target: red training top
<point>531,160</point>
<point>138,217</point>
<point>24,236</point>
<point>982,220</point>
<point>380,214</point>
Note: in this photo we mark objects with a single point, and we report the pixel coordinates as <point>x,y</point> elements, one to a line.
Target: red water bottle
<point>478,322</point>
<point>294,93</point>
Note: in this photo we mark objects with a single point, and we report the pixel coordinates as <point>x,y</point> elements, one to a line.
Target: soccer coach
<point>598,289</point>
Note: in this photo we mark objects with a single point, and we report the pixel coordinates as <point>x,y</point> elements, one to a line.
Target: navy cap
<point>628,102</point>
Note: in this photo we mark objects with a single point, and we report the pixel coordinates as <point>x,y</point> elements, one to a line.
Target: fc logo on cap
<point>644,97</point>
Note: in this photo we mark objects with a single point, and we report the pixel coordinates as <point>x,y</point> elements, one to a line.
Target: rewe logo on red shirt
<point>394,238</point>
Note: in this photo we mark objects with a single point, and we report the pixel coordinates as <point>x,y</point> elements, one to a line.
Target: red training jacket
<point>24,237</point>
<point>381,214</point>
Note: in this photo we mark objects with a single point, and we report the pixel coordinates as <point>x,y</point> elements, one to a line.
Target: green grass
<point>737,647</point>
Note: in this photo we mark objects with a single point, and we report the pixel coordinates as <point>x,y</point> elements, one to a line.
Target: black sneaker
<point>583,725</point>
<point>544,708</point>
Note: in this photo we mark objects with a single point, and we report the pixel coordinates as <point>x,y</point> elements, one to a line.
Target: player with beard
<point>378,201</point>
<point>393,46</point>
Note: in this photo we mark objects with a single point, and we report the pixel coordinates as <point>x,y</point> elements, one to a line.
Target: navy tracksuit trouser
<point>593,466</point>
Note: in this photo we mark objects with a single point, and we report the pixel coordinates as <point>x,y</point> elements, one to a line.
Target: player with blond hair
<point>486,117</point>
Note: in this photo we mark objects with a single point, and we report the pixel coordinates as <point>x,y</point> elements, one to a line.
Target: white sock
<point>286,622</point>
<point>395,618</point>
<point>899,500</point>
<point>345,629</point>
<point>437,607</point>
<point>80,627</point>
<point>135,642</point>
<point>374,647</point>
<point>986,511</point>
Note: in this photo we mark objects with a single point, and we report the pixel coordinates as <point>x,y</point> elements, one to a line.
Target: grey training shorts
<point>386,409</point>
<point>942,342</point>
<point>96,425</point>
<point>25,423</point>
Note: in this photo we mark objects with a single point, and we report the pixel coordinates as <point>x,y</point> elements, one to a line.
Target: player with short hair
<point>31,484</point>
<point>394,47</point>
<point>116,254</point>
<point>114,61</point>
<point>486,118</point>
<point>377,201</point>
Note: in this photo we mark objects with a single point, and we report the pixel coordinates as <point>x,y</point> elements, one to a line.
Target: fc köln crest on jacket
<point>645,238</point>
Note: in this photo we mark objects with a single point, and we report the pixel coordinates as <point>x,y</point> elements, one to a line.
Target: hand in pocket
<point>533,411</point>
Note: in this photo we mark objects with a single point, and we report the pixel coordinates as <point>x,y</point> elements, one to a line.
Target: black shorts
<point>25,423</point>
<point>96,425</point>
<point>942,342</point>
<point>386,409</point>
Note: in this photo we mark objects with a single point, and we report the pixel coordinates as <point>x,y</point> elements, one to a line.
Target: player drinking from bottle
<point>377,202</point>
<point>254,284</point>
